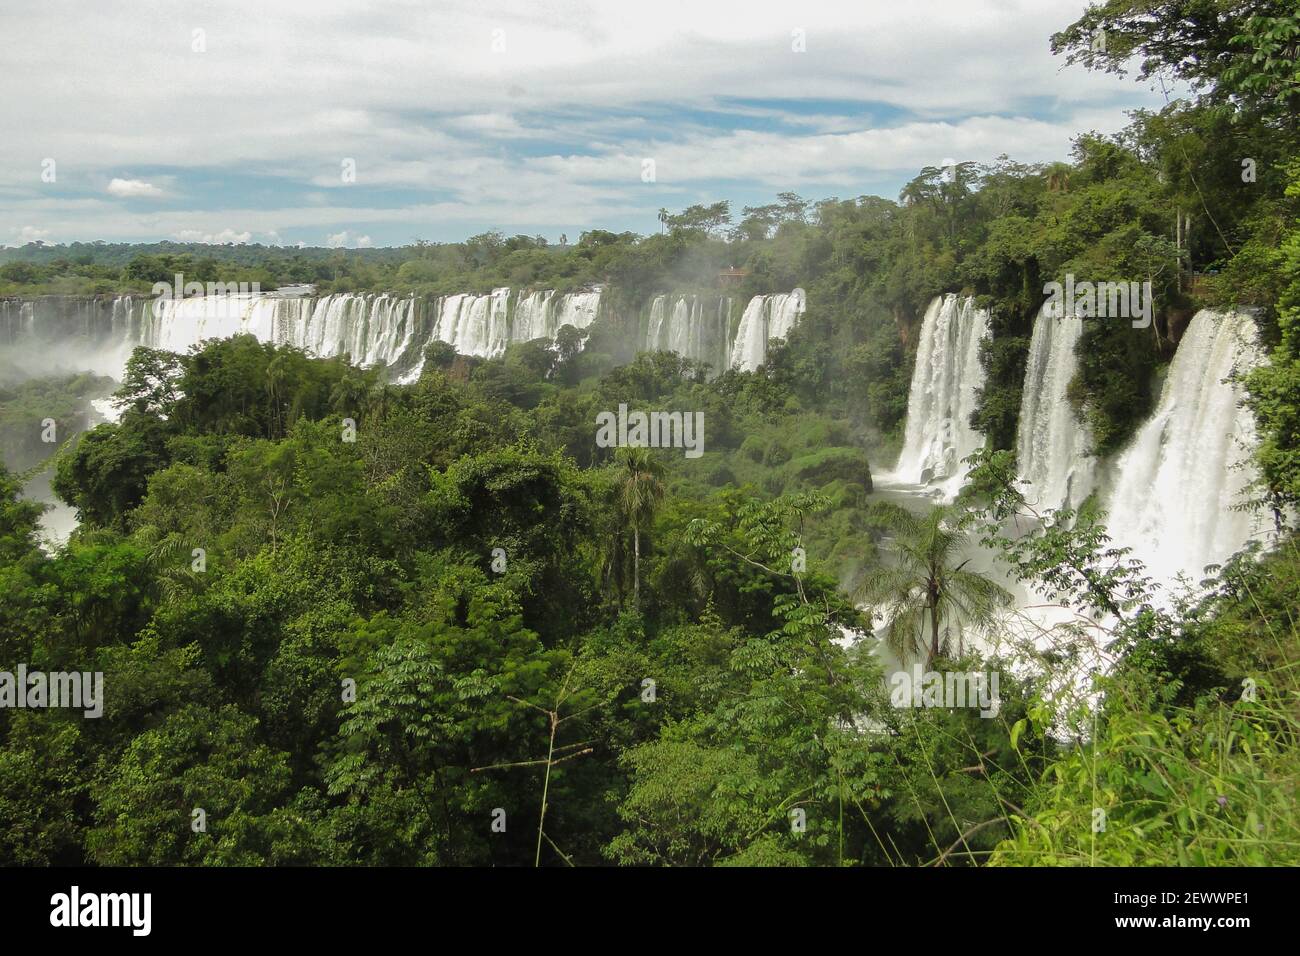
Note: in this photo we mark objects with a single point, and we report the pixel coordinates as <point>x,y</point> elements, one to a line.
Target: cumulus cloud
<point>548,127</point>
<point>133,189</point>
<point>28,234</point>
<point>21,237</point>
<point>344,239</point>
<point>214,239</point>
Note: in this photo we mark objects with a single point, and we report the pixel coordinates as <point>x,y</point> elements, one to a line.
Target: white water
<point>699,327</point>
<point>371,329</point>
<point>680,326</point>
<point>1053,449</point>
<point>938,434</point>
<point>66,334</point>
<point>578,310</point>
<point>377,329</point>
<point>697,330</point>
<point>1175,486</point>
<point>534,317</point>
<point>750,348</point>
<point>654,340</point>
<point>765,319</point>
<point>784,311</point>
<point>1186,468</point>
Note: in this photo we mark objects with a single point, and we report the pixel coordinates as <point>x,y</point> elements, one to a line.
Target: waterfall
<point>938,434</point>
<point>751,338</point>
<point>785,311</point>
<point>480,325</point>
<point>717,344</point>
<point>654,331</point>
<point>578,309</point>
<point>766,317</point>
<point>99,332</point>
<point>54,334</point>
<point>1053,448</point>
<point>698,327</point>
<point>369,329</point>
<point>679,326</point>
<point>386,329</point>
<point>1186,468</point>
<point>695,327</point>
<point>178,324</point>
<point>534,317</point>
<point>483,325</point>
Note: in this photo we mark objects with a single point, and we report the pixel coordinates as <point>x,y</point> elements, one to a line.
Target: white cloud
<point>344,239</point>
<point>134,189</point>
<point>550,131</point>
<point>216,239</point>
<point>28,234</point>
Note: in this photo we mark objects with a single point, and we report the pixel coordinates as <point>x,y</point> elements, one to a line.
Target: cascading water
<point>50,334</point>
<point>766,317</point>
<point>679,326</point>
<point>578,310</point>
<point>942,397</point>
<point>178,324</point>
<point>715,341</point>
<point>784,310</point>
<point>482,324</point>
<point>1187,467</point>
<point>534,317</point>
<point>1175,486</point>
<point>750,346</point>
<point>695,327</point>
<point>371,330</point>
<point>654,331</point>
<point>98,333</point>
<point>1053,448</point>
<point>751,338</point>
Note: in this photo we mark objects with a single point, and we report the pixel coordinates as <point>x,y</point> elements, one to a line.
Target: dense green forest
<point>436,624</point>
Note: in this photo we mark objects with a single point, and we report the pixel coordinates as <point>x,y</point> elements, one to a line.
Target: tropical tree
<point>640,492</point>
<point>1274,387</point>
<point>924,591</point>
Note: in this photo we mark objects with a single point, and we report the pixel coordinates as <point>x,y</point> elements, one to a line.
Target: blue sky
<point>231,120</point>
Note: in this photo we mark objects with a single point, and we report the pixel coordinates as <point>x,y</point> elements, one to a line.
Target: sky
<point>379,122</point>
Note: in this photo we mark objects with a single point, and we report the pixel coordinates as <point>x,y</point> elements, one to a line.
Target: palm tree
<point>640,491</point>
<point>923,590</point>
<point>1058,177</point>
<point>663,219</point>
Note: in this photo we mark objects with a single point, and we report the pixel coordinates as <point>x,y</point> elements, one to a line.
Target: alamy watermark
<point>179,289</point>
<point>1103,300</point>
<point>228,298</point>
<point>947,690</point>
<point>130,910</point>
<point>651,430</point>
<point>35,689</point>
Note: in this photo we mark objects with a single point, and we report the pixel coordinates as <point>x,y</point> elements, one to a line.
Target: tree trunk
<point>636,567</point>
<point>1155,323</point>
<point>1178,246</point>
<point>934,631</point>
